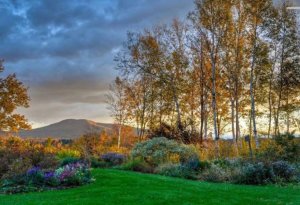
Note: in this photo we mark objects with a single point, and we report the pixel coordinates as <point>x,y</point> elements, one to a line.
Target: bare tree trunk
<point>192,112</point>
<point>138,128</point>
<point>205,126</point>
<point>250,124</point>
<point>234,140</point>
<point>288,123</point>
<point>236,88</point>
<point>270,92</point>
<point>237,119</point>
<point>119,135</point>
<point>201,122</point>
<point>160,109</point>
<point>177,106</point>
<point>253,114</point>
<point>214,106</point>
<point>202,95</point>
<point>143,114</point>
<point>179,124</point>
<point>297,122</point>
<point>277,132</point>
<point>253,110</point>
<point>270,105</point>
<point>287,114</point>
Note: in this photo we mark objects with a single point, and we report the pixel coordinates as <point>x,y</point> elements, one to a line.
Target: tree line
<point>230,68</point>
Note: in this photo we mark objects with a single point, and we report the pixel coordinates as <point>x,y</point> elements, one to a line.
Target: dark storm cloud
<point>63,50</point>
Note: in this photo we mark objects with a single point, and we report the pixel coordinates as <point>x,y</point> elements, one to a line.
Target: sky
<point>63,50</point>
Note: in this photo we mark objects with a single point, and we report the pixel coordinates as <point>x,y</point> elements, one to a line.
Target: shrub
<point>228,163</point>
<point>69,160</point>
<point>284,172</point>
<point>285,147</point>
<point>36,179</point>
<point>256,174</point>
<point>95,163</point>
<point>290,146</point>
<point>113,159</point>
<point>204,165</point>
<point>137,166</point>
<point>68,153</point>
<point>193,164</point>
<point>49,161</point>
<point>50,179</point>
<point>17,168</point>
<point>215,173</point>
<point>18,155</point>
<point>73,174</point>
<point>175,170</point>
<point>183,134</point>
<point>35,176</point>
<point>161,150</point>
<point>8,187</point>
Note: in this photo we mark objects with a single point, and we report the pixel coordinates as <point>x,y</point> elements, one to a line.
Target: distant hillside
<point>67,129</point>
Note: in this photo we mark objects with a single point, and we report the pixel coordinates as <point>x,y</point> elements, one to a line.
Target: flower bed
<point>36,179</point>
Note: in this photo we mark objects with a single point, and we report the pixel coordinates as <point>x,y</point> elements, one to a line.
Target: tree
<point>288,72</point>
<point>235,62</point>
<point>159,57</point>
<point>13,94</point>
<point>256,10</point>
<point>138,95</point>
<point>117,105</point>
<point>211,18</point>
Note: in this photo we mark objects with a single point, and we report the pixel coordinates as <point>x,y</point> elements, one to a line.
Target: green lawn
<point>120,187</point>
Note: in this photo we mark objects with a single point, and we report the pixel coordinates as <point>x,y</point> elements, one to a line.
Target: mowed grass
<point>121,187</point>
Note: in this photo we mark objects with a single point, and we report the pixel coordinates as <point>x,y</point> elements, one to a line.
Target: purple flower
<point>49,175</point>
<point>33,171</point>
<point>113,158</point>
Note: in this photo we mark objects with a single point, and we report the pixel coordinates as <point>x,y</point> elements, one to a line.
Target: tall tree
<point>256,10</point>
<point>213,16</point>
<point>117,104</point>
<point>288,72</point>
<point>13,94</point>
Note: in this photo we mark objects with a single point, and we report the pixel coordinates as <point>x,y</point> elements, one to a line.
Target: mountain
<point>66,129</point>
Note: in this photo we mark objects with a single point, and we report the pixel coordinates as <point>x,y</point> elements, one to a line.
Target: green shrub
<point>8,189</point>
<point>204,165</point>
<point>95,163</point>
<point>284,172</point>
<point>290,147</point>
<point>193,164</point>
<point>161,150</point>
<point>68,153</point>
<point>113,159</point>
<point>228,163</point>
<point>285,147</point>
<point>215,173</point>
<point>175,170</point>
<point>69,160</point>
<point>256,174</point>
<point>35,177</point>
<point>137,165</point>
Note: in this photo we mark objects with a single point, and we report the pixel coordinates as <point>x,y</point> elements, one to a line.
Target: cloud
<point>64,50</point>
